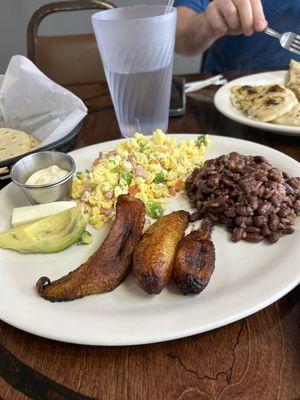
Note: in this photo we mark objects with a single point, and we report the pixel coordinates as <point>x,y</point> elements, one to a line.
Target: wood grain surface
<point>255,358</point>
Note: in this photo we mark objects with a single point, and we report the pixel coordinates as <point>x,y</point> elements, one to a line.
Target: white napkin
<point>33,103</point>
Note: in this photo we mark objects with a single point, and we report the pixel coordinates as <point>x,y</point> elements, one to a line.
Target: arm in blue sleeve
<point>197,5</point>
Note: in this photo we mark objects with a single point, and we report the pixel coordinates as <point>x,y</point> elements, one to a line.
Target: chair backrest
<point>69,59</point>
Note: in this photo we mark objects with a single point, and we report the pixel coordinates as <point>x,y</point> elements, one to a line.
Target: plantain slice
<point>109,265</point>
<point>195,260</point>
<point>154,255</point>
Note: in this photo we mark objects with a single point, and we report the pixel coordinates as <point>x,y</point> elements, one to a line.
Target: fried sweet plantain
<point>154,255</point>
<point>109,265</point>
<point>195,260</point>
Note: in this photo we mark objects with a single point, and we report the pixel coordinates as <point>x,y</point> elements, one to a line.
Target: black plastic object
<point>178,97</point>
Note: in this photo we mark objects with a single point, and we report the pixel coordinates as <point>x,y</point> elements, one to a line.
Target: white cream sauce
<point>46,176</point>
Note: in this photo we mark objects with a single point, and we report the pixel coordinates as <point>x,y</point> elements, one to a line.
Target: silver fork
<point>288,40</point>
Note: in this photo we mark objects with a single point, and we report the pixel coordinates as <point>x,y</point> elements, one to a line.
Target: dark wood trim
<point>32,383</point>
<point>61,6</point>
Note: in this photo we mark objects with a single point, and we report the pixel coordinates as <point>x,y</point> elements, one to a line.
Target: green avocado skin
<point>47,235</point>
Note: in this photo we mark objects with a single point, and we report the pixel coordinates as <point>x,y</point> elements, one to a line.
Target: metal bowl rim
<point>48,185</point>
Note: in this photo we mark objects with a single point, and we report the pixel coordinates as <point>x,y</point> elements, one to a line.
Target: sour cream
<point>46,176</point>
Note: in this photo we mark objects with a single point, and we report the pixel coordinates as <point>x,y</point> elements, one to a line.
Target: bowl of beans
<point>253,199</point>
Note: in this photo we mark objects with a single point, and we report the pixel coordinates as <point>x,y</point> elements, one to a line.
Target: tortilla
<point>294,78</point>
<point>292,118</point>
<point>242,96</point>
<point>14,143</point>
<point>276,101</point>
<point>263,102</point>
<point>34,142</point>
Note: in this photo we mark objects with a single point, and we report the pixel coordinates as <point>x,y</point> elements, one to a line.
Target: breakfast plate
<point>223,103</point>
<point>247,277</point>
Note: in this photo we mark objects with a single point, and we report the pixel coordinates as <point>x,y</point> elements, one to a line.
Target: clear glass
<point>136,45</point>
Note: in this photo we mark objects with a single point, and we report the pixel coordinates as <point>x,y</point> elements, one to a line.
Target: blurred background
<point>15,15</point>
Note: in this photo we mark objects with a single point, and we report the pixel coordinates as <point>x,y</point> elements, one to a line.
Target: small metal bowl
<point>28,165</point>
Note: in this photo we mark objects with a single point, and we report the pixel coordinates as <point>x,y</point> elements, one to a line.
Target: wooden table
<point>255,358</point>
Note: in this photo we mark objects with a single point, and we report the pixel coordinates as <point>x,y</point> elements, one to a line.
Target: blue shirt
<point>258,50</point>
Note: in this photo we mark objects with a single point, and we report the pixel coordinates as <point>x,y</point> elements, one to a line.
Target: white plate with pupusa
<point>247,277</point>
<point>223,102</point>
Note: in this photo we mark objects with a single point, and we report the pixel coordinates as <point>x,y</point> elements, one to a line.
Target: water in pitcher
<point>141,100</point>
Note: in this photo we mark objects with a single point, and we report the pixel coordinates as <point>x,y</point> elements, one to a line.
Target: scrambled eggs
<point>149,168</point>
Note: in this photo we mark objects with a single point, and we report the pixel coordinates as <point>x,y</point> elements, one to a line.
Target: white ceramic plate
<point>223,104</point>
<point>247,278</point>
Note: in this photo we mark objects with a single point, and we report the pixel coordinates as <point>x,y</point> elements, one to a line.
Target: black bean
<point>253,202</point>
<point>288,188</point>
<point>243,211</point>
<point>207,164</point>
<point>195,216</point>
<point>230,212</point>
<point>261,176</point>
<point>273,237</point>
<point>264,209</point>
<point>227,182</point>
<point>290,201</point>
<point>213,180</point>
<point>252,229</point>
<point>294,183</point>
<point>230,225</point>
<point>206,190</point>
<point>216,202</point>
<point>218,191</point>
<point>266,231</point>
<point>199,205</point>
<point>274,222</point>
<point>284,211</point>
<point>220,209</point>
<point>290,220</point>
<point>236,178</point>
<point>228,173</point>
<point>275,174</point>
<point>287,230</point>
<point>259,159</point>
<point>198,196</point>
<point>275,201</point>
<point>259,221</point>
<point>224,220</point>
<point>285,175</point>
<point>243,221</point>
<point>213,217</point>
<point>250,184</point>
<point>260,191</point>
<point>272,184</point>
<point>268,193</point>
<point>254,237</point>
<point>237,234</point>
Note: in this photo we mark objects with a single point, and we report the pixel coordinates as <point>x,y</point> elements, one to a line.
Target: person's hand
<point>233,17</point>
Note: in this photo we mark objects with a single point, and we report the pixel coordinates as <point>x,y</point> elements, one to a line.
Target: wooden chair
<point>69,59</point>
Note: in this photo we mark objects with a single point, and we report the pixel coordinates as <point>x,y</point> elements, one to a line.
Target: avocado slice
<point>47,235</point>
